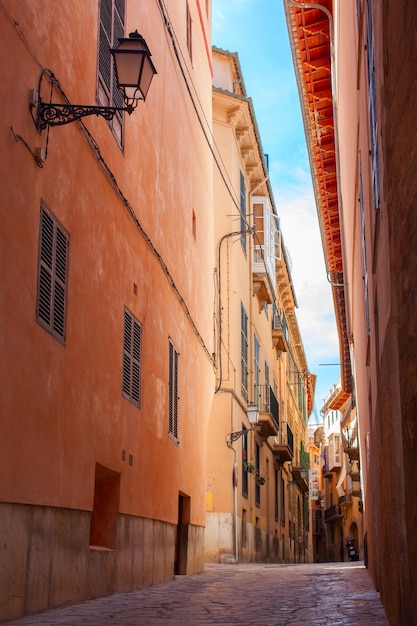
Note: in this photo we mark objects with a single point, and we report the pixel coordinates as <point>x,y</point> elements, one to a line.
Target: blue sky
<point>257,31</point>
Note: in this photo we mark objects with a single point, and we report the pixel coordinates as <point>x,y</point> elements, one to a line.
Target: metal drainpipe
<point>229,445</point>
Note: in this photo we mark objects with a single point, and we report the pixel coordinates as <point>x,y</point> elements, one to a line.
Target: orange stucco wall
<point>62,409</point>
<point>385,357</point>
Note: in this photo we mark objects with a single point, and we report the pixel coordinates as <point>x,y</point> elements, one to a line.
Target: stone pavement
<point>320,594</point>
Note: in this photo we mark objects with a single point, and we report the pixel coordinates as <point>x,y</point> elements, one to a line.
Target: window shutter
<point>127,340</point>
<point>189,32</point>
<point>52,276</point>
<point>104,61</point>
<point>136,349</point>
<point>244,351</point>
<point>61,249</point>
<point>132,338</point>
<point>45,269</point>
<point>243,223</point>
<point>112,26</point>
<point>118,33</point>
<point>173,391</point>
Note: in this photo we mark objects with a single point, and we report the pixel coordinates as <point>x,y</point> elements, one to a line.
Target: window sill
<point>100,549</point>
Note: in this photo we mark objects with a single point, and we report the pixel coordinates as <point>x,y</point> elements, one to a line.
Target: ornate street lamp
<point>134,73</point>
<point>252,413</point>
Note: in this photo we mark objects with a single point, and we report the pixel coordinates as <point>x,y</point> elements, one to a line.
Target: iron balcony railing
<point>267,402</point>
<point>285,437</point>
<point>279,322</point>
<point>333,513</point>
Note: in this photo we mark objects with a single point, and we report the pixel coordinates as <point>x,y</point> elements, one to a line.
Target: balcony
<point>350,439</point>
<point>300,470</point>
<point>299,478</point>
<point>333,514</point>
<point>263,257</point>
<point>283,446</point>
<point>354,471</point>
<point>333,459</point>
<point>345,501</point>
<point>262,286</point>
<point>268,422</point>
<point>352,452</point>
<point>280,335</point>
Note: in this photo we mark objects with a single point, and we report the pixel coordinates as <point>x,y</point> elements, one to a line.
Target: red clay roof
<point>311,44</point>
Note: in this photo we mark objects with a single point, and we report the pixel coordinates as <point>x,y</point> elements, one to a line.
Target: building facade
<point>257,504</point>
<point>355,64</point>
<point>342,494</point>
<point>106,337</point>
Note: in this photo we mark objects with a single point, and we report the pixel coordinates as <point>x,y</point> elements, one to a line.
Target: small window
<point>245,461</point>
<point>258,471</point>
<point>103,525</point>
<point>189,33</point>
<point>244,351</point>
<point>257,370</point>
<point>132,338</point>
<point>112,27</point>
<point>244,532</point>
<point>52,275</point>
<point>194,226</point>
<point>282,500</point>
<point>243,220</point>
<point>173,391</point>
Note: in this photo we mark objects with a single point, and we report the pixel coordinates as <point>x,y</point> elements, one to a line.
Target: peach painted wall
<point>62,407</point>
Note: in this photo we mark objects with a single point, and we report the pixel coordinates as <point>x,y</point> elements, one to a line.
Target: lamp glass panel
<point>148,72</point>
<point>128,66</point>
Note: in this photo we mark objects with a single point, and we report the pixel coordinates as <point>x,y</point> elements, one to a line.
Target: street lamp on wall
<point>134,74</point>
<point>252,413</point>
<point>299,481</point>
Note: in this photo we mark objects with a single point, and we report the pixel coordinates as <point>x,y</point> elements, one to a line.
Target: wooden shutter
<point>189,32</point>
<point>132,337</point>
<point>173,391</point>
<point>52,275</point>
<point>112,26</point>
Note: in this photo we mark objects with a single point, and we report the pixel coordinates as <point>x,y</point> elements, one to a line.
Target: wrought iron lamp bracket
<point>51,114</point>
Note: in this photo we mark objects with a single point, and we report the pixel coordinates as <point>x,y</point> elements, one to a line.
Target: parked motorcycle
<point>352,552</point>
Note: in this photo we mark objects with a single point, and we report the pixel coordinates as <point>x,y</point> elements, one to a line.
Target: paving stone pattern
<point>336,594</point>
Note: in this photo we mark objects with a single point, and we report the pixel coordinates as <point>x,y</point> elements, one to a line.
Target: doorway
<point>181,544</point>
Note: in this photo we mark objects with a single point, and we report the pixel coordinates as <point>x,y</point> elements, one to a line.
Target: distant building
<point>257,482</point>
<point>355,66</point>
<point>342,491</point>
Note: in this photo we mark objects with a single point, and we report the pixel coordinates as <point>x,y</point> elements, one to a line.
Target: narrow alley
<point>323,594</point>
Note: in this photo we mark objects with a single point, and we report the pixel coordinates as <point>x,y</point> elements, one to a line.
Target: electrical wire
<point>18,138</point>
<point>93,144</point>
<point>194,99</point>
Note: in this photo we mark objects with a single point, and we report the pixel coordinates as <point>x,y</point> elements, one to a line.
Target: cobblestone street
<point>337,594</point>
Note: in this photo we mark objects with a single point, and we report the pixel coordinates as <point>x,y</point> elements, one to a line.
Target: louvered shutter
<point>44,313</point>
<point>112,27</point>
<point>60,280</point>
<point>173,391</point>
<point>52,277</point>
<point>132,336</point>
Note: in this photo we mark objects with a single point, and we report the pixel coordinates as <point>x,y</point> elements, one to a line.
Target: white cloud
<point>315,313</point>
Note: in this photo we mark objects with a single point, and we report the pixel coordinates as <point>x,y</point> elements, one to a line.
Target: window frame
<point>53,257</point>
<point>244,343</point>
<point>111,26</point>
<point>132,359</point>
<point>258,471</point>
<point>243,212</point>
<point>245,460</point>
<point>189,31</point>
<point>257,370</point>
<point>372,106</point>
<point>173,357</point>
